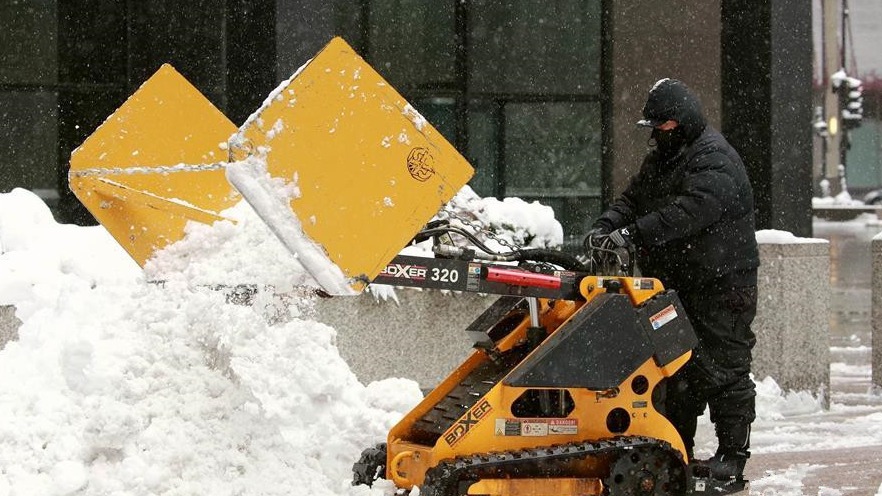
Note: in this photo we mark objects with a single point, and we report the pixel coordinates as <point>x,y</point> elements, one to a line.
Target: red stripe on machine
<point>522,278</point>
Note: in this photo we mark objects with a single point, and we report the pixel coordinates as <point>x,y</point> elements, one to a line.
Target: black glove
<point>592,239</point>
<point>623,237</point>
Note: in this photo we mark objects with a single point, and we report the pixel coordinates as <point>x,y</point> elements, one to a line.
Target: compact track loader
<point>561,394</point>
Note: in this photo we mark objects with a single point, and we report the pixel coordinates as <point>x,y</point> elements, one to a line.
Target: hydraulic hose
<point>563,259</point>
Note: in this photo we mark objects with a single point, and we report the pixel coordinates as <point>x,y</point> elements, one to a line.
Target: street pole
<point>843,92</point>
<point>831,64</point>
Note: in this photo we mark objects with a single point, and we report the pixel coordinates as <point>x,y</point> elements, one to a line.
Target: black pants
<point>718,375</point>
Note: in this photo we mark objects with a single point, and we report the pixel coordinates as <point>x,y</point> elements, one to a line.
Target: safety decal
<point>563,426</point>
<point>507,427</point>
<point>666,315</point>
<point>462,426</point>
<point>473,282</point>
<point>536,427</point>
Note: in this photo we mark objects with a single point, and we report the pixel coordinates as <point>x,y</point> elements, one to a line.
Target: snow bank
<point>514,221</point>
<point>119,386</point>
<point>776,237</point>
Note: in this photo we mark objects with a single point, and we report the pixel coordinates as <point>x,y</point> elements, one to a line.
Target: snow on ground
<point>118,386</point>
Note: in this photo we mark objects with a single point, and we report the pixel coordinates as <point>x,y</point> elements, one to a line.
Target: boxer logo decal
<point>420,164</point>
<point>462,427</point>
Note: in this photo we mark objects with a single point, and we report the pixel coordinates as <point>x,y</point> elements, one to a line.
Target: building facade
<point>541,97</point>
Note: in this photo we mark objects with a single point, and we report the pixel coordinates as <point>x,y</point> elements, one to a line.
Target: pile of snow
<point>120,386</point>
<point>773,403</point>
<point>842,199</point>
<point>778,237</point>
<point>243,250</point>
<point>225,253</point>
<point>512,220</point>
<point>240,250</point>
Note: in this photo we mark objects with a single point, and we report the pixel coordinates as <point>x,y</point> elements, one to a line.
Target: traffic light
<point>852,107</point>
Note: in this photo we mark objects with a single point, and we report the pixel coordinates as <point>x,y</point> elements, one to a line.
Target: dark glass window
<point>412,42</point>
<point>440,112</point>
<point>28,133</point>
<point>553,154</point>
<point>191,41</point>
<point>552,148</point>
<point>28,46</point>
<point>484,124</point>
<point>92,43</point>
<point>550,47</point>
<point>520,98</point>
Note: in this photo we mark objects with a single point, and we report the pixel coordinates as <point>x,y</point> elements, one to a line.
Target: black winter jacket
<point>694,217</point>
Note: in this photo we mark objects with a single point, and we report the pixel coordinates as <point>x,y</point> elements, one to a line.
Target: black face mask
<point>669,142</point>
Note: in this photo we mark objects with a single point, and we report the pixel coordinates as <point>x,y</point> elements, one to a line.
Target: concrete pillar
<point>876,247</point>
<point>792,321</point>
<point>766,78</point>
<point>421,337</point>
<point>9,324</point>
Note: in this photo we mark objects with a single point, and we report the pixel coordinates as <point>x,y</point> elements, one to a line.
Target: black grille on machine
<point>465,395</point>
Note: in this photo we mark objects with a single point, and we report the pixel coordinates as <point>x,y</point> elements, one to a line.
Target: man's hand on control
<point>623,237</point>
<point>594,237</point>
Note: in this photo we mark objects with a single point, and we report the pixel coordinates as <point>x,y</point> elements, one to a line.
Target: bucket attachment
<point>370,171</point>
<point>139,173</point>
<point>339,166</point>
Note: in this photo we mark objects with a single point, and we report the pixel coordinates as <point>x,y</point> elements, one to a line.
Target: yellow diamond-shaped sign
<point>369,170</point>
<point>138,173</point>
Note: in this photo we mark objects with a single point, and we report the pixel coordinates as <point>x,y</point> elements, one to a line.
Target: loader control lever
<point>444,246</point>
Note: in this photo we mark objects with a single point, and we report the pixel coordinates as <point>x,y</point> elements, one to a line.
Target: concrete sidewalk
<point>856,414</point>
<point>849,471</point>
<point>837,452</point>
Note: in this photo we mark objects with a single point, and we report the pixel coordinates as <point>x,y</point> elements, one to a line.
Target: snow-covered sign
<point>338,165</point>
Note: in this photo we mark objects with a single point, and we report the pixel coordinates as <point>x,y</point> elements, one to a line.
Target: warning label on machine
<point>661,318</point>
<point>536,427</point>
